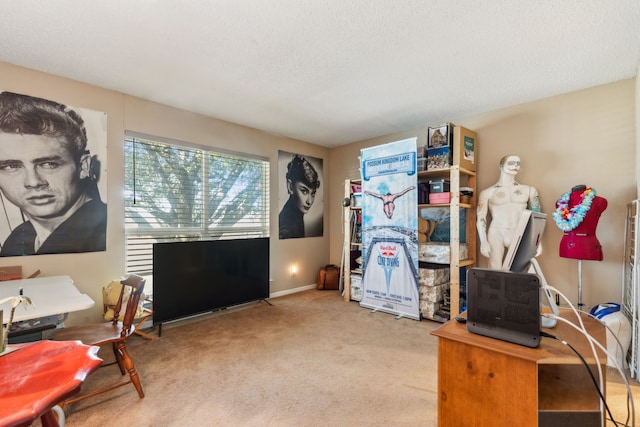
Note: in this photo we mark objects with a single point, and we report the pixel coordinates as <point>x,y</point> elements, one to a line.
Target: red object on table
<point>39,375</point>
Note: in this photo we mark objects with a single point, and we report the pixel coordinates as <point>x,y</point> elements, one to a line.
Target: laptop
<point>504,305</point>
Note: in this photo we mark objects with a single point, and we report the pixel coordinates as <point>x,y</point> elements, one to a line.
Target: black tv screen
<point>196,277</point>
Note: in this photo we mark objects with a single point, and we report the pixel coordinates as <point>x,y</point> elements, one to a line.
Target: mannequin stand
<point>580,305</point>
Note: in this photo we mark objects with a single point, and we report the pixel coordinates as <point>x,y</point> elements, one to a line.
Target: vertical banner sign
<point>390,228</point>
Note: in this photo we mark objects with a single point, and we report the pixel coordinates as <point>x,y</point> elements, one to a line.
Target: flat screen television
<point>191,278</point>
<point>521,254</point>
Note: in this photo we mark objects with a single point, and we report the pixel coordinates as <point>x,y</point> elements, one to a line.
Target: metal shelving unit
<point>631,285</point>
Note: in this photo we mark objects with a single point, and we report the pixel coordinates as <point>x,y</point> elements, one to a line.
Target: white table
<point>53,295</point>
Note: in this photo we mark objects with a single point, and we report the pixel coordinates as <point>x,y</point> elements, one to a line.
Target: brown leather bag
<point>329,277</point>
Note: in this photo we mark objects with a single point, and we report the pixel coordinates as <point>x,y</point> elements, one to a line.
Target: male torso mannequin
<point>506,200</point>
<point>581,242</point>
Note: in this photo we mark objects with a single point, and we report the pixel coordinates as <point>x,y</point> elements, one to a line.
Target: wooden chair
<point>147,312</point>
<point>115,333</point>
<point>144,312</point>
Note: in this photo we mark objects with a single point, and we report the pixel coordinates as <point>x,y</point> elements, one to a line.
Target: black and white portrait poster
<point>300,201</point>
<point>52,177</point>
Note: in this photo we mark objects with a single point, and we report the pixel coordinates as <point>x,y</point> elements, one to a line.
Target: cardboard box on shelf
<point>465,148</point>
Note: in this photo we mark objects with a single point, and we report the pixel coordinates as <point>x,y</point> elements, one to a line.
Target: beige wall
<point>92,271</point>
<point>585,137</point>
<point>637,132</point>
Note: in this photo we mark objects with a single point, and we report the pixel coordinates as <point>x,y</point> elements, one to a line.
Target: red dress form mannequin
<point>581,242</point>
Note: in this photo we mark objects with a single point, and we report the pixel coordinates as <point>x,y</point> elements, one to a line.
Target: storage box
<point>439,252</point>
<point>433,274</point>
<point>356,287</point>
<point>438,185</point>
<point>440,136</point>
<point>465,148</point>
<point>434,293</point>
<point>428,309</point>
<point>439,198</point>
<point>357,200</point>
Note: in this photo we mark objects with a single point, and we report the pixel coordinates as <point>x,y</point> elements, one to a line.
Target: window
<point>175,192</point>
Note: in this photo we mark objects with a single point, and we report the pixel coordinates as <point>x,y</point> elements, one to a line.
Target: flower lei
<point>568,219</point>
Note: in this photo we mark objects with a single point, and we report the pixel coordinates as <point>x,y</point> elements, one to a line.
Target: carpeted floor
<point>310,359</point>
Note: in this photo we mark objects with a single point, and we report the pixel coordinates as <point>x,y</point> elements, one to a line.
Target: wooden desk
<point>37,376</point>
<point>487,382</point>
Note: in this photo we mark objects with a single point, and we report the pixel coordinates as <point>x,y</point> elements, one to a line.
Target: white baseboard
<point>292,291</point>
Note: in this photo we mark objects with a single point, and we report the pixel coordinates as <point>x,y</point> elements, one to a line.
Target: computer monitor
<point>520,258</point>
<point>525,242</point>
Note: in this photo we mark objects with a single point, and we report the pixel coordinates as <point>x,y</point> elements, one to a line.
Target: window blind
<point>176,192</point>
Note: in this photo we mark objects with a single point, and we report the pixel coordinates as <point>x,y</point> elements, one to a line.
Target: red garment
<point>581,242</point>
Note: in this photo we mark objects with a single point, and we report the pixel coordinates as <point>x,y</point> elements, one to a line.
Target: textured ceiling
<point>329,71</point>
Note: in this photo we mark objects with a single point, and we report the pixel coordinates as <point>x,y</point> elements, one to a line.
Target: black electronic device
<point>196,277</point>
<point>504,305</point>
